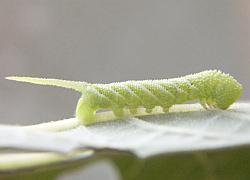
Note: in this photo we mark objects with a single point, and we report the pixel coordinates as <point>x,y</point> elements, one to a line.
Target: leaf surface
<point>166,133</point>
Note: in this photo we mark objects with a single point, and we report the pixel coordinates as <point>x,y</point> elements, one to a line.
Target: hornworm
<point>212,88</point>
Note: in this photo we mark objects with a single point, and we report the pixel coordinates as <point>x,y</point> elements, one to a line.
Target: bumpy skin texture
<point>213,89</point>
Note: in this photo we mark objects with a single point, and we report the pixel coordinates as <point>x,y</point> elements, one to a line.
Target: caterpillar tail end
<point>75,85</point>
<point>84,113</point>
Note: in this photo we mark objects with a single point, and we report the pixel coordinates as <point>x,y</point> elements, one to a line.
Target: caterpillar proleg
<point>212,88</point>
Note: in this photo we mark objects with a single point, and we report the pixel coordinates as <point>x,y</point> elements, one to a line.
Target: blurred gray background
<point>113,40</point>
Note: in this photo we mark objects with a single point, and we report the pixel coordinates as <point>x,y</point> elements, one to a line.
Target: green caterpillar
<point>213,88</point>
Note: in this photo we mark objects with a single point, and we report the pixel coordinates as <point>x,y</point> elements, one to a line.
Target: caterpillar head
<point>227,90</point>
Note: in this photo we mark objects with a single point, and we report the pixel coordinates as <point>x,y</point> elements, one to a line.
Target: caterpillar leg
<point>149,109</point>
<point>133,111</point>
<point>84,112</point>
<point>118,112</point>
<point>165,109</point>
<point>211,103</point>
<point>204,103</point>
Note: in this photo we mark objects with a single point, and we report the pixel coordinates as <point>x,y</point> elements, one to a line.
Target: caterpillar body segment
<point>213,89</point>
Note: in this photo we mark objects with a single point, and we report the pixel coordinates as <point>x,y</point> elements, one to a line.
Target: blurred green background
<point>113,40</point>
